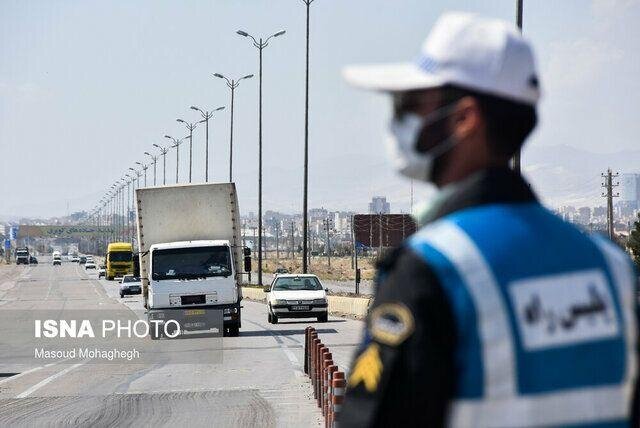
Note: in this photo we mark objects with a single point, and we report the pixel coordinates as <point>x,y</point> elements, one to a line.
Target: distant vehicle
<point>281,270</point>
<point>296,296</point>
<point>130,285</point>
<point>89,265</point>
<point>82,260</point>
<point>102,271</point>
<point>33,260</point>
<point>119,260</point>
<point>22,256</point>
<point>75,259</point>
<point>192,260</point>
<point>57,258</point>
<point>89,258</point>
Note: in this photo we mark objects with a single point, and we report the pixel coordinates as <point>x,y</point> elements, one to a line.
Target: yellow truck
<point>119,260</point>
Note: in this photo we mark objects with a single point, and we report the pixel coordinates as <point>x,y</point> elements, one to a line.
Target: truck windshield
<point>120,256</point>
<point>191,263</point>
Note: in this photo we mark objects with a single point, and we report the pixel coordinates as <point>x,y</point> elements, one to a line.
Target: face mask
<point>403,138</point>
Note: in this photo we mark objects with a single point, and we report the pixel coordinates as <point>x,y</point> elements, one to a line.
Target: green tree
<point>634,242</point>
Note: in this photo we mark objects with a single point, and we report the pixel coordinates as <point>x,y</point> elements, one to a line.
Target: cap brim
<point>390,77</point>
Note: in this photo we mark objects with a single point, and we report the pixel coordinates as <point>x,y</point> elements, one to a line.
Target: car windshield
<point>297,283</point>
<point>130,279</point>
<point>191,263</point>
<point>120,256</point>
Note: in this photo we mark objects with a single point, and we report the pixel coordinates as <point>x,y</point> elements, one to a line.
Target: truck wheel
<point>269,318</point>
<point>323,318</point>
<point>275,319</point>
<point>232,331</point>
<point>121,295</point>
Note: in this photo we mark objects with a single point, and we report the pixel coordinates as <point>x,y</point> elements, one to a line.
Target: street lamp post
<point>232,84</point>
<point>144,168</point>
<point>305,197</point>
<point>154,159</point>
<point>190,127</point>
<point>163,152</point>
<point>176,144</point>
<point>260,45</point>
<point>206,115</point>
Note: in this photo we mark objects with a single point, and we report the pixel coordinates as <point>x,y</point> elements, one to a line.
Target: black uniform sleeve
<point>403,373</point>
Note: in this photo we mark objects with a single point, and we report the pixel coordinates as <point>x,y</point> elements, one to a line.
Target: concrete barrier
<point>341,305</point>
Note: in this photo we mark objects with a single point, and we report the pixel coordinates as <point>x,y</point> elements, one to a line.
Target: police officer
<point>496,312</point>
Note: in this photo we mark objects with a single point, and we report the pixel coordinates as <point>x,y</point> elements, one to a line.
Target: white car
<point>130,285</point>
<point>89,265</point>
<point>102,272</point>
<point>296,296</point>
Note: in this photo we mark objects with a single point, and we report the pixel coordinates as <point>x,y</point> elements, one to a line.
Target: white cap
<point>465,50</point>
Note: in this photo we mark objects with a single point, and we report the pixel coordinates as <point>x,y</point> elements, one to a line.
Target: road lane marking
<point>19,375</point>
<point>48,380</point>
<point>290,355</point>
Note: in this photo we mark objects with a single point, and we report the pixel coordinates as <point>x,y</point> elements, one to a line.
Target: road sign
<point>13,232</point>
<point>7,244</point>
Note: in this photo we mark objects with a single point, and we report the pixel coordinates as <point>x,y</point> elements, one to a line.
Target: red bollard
<point>314,352</point>
<point>313,335</point>
<point>306,349</point>
<point>316,389</point>
<point>330,371</point>
<point>326,362</point>
<point>323,352</point>
<point>339,386</point>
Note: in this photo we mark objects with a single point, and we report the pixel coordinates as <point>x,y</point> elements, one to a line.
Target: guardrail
<point>328,383</point>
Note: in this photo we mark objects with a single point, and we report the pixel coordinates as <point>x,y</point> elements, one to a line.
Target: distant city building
<point>629,191</point>
<point>584,215</point>
<point>379,205</point>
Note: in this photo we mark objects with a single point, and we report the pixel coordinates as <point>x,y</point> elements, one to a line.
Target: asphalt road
<point>258,382</point>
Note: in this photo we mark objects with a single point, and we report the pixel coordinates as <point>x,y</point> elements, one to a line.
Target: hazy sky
<point>87,86</point>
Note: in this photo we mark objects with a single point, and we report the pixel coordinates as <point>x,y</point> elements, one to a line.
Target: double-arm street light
<point>190,127</point>
<point>260,44</point>
<point>176,144</point>
<point>144,168</point>
<point>206,115</point>
<point>154,159</point>
<point>163,152</point>
<point>232,84</point>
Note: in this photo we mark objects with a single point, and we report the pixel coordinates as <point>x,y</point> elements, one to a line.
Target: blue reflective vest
<point>545,318</point>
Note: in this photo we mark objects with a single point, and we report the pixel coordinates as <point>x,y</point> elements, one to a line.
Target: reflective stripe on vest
<point>500,403</point>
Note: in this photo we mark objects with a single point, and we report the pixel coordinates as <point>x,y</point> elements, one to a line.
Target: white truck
<point>191,253</point>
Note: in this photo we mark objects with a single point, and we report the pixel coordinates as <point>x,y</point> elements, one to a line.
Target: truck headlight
<point>281,302</point>
<point>228,311</point>
<point>175,301</point>
<point>320,301</point>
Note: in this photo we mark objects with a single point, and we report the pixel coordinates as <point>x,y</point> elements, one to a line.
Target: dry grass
<point>340,269</point>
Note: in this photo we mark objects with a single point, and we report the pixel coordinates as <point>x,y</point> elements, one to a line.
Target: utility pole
<point>293,243</point>
<point>305,218</point>
<point>609,185</point>
<point>326,222</point>
<point>277,241</point>
<point>380,242</point>
<point>516,156</point>
<point>353,244</point>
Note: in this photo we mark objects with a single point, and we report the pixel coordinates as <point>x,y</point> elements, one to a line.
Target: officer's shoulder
<point>405,276</point>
